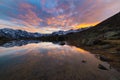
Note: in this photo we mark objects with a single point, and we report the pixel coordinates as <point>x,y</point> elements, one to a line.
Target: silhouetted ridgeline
<point>106,30</point>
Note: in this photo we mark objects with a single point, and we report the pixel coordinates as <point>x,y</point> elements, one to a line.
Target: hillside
<point>106,30</point>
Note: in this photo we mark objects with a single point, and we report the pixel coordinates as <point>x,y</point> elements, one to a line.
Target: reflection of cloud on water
<point>43,48</point>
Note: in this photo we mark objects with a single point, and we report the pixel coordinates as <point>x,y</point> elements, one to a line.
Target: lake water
<point>48,61</point>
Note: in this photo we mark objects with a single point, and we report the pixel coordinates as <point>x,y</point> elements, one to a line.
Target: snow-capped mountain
<point>12,34</point>
<point>69,31</point>
<point>17,34</point>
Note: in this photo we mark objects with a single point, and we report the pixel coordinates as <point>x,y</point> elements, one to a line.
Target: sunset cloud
<point>29,17</point>
<point>47,15</point>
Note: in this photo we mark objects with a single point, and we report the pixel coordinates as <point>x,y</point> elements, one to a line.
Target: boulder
<point>84,61</point>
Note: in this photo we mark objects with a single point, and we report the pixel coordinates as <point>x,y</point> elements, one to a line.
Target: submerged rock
<point>84,61</point>
<point>102,67</point>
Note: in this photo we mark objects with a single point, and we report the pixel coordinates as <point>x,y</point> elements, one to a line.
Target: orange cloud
<point>60,21</point>
<point>30,18</point>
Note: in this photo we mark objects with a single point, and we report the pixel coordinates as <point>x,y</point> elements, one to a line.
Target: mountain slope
<point>106,30</point>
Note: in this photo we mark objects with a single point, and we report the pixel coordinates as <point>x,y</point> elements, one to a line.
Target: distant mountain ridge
<point>11,34</point>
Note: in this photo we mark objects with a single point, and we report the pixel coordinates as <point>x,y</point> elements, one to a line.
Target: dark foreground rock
<point>102,67</point>
<point>104,58</point>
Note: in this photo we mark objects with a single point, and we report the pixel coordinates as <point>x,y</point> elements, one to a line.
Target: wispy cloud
<point>48,15</point>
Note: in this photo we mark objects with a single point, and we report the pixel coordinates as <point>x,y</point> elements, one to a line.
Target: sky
<point>46,16</point>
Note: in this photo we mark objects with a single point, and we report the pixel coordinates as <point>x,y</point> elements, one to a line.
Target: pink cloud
<point>29,17</point>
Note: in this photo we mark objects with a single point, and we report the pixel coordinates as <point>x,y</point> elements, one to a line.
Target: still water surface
<point>48,61</point>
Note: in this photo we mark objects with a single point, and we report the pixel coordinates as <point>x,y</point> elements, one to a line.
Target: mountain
<point>11,34</point>
<point>69,31</point>
<point>106,30</point>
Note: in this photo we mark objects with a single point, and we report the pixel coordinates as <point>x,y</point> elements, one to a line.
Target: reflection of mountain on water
<point>18,43</point>
<point>25,42</point>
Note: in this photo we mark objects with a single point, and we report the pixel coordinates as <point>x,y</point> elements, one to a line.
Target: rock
<point>102,67</point>
<point>103,58</point>
<point>84,61</point>
<point>62,43</point>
